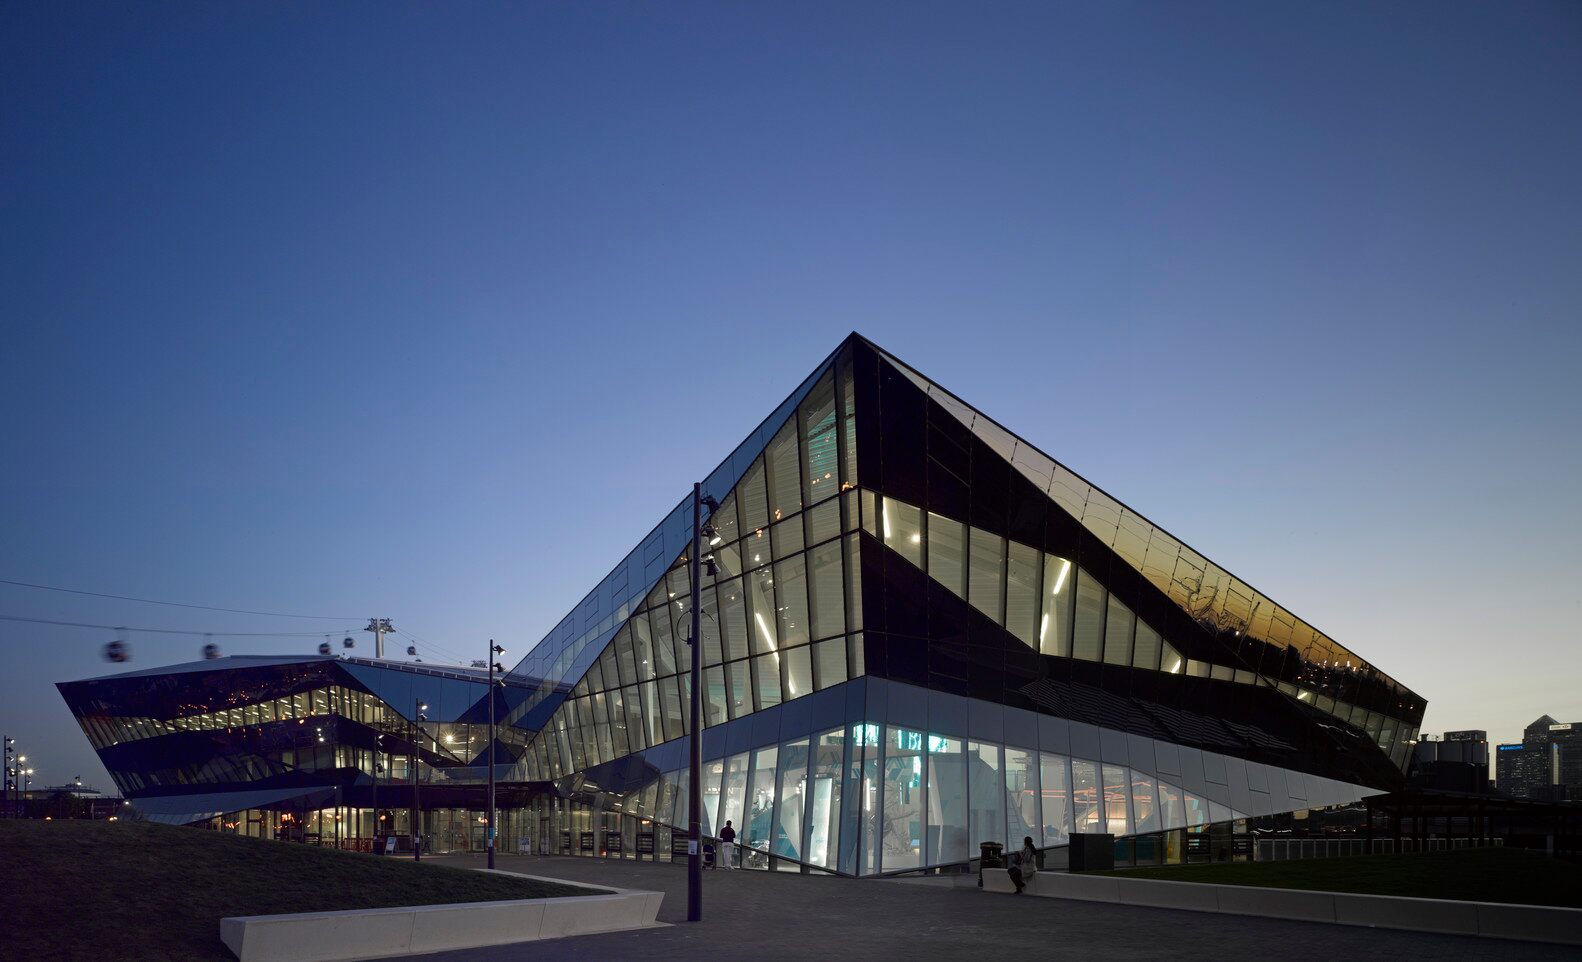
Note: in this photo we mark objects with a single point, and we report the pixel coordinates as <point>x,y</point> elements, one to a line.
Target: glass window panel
<point>1172,806</point>
<point>791,593</point>
<point>947,553</point>
<point>786,537</point>
<point>739,693</point>
<point>1022,588</point>
<point>823,522</point>
<point>986,575</point>
<point>766,673</point>
<point>798,671</point>
<point>902,525</point>
<point>753,499</point>
<point>854,657</point>
<point>761,610</point>
<point>1170,660</point>
<point>733,619</point>
<point>828,586</point>
<point>643,646</point>
<point>823,805</point>
<point>712,773</point>
<point>726,521</point>
<point>1145,806</point>
<point>634,719</point>
<point>653,719</point>
<point>793,798</point>
<point>664,621</point>
<point>829,662</point>
<point>708,626</point>
<point>1118,818</point>
<point>902,847</point>
<point>1021,797</point>
<point>1118,624</point>
<point>785,479</point>
<point>1145,653</point>
<point>627,663</point>
<point>847,396</point>
<point>948,840</point>
<point>853,586</point>
<point>987,793</point>
<point>1087,815</point>
<point>1055,786</point>
<point>870,513</point>
<point>1088,635</point>
<point>670,695</point>
<point>714,710</point>
<point>760,809</point>
<point>755,550</point>
<point>817,415</point>
<point>733,792</point>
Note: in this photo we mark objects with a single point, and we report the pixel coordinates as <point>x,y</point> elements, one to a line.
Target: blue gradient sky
<point>431,312</point>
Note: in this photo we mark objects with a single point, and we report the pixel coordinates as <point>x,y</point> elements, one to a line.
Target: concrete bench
<point>999,880</point>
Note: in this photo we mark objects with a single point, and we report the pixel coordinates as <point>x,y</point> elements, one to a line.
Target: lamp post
<point>417,809</point>
<point>379,767</point>
<point>494,650</point>
<point>695,765</point>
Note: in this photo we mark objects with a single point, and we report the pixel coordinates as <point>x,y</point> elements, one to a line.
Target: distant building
<point>1546,766</point>
<point>1459,762</point>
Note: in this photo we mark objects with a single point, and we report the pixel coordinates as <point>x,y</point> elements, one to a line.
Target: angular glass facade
<point>920,634</point>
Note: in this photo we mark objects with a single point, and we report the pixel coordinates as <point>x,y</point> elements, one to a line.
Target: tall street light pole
<point>695,766</point>
<point>494,650</point>
<point>417,808</point>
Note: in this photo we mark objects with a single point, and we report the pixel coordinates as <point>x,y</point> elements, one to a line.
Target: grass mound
<point>138,891</point>
<point>1474,875</point>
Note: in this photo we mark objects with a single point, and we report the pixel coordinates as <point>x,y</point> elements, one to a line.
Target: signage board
<point>645,843</point>
<point>585,841</point>
<point>612,842</point>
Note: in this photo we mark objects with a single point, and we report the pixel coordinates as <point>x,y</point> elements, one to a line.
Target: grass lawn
<point>97,891</point>
<point>1475,875</point>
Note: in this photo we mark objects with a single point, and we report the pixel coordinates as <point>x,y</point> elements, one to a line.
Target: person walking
<point>727,845</point>
<point>1024,864</point>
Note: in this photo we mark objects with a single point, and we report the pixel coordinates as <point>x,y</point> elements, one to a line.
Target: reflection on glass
<point>947,553</point>
<point>1087,815</point>
<point>1145,654</point>
<point>1117,813</point>
<point>793,788</point>
<point>760,808</point>
<point>902,525</point>
<point>903,800</point>
<point>986,574</point>
<point>1022,593</point>
<point>1055,785</point>
<point>947,801</point>
<point>1021,796</point>
<point>785,480</point>
<point>734,791</point>
<point>821,472</point>
<point>1088,635</point>
<point>1144,804</point>
<point>1054,623</point>
<point>828,591</point>
<point>798,664</point>
<point>1118,633</point>
<point>824,806</point>
<point>986,793</point>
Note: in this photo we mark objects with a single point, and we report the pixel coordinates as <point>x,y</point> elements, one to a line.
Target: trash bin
<point>991,855</point>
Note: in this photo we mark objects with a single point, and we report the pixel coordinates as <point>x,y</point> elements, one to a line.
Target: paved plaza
<point>771,916</point>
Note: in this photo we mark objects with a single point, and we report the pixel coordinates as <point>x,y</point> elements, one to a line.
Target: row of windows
<point>1214,596</point>
<point>597,728</point>
<point>810,459</point>
<point>105,730</point>
<point>1057,608</point>
<point>874,798</point>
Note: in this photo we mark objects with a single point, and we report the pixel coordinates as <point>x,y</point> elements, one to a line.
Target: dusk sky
<point>432,311</point>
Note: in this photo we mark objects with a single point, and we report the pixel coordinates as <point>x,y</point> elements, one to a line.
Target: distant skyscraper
<point>1547,765</point>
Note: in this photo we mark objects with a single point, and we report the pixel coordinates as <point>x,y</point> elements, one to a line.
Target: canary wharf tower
<point>918,633</point>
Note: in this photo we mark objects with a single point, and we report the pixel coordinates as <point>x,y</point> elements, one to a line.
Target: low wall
<point>1532,923</point>
<point>377,933</point>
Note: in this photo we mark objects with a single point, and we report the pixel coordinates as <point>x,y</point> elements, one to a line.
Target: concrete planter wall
<point>378,933</point>
<point>1533,923</point>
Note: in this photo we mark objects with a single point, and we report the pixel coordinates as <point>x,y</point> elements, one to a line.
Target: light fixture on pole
<point>695,755</point>
<point>417,809</point>
<point>494,650</point>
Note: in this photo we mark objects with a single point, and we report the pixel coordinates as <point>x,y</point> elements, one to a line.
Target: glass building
<point>923,633</point>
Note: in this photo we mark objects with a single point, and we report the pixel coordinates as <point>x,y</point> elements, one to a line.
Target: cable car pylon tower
<point>380,627</point>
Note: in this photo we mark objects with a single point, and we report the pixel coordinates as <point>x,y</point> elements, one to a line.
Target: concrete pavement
<point>784,916</point>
